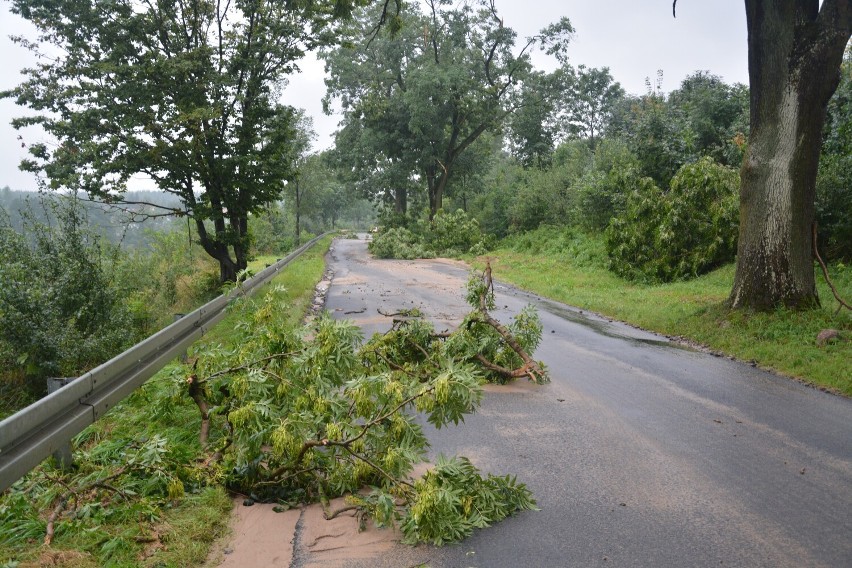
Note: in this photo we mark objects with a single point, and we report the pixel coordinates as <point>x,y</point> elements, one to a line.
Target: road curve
<point>640,453</point>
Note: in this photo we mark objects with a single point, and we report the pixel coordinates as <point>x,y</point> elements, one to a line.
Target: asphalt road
<point>639,453</point>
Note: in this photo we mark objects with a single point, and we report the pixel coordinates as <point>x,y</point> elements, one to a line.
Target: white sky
<point>634,38</point>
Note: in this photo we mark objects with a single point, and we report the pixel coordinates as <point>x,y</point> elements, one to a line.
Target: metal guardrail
<point>32,434</point>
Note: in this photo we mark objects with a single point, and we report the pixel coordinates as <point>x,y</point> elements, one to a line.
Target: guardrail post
<point>62,456</point>
<point>183,356</point>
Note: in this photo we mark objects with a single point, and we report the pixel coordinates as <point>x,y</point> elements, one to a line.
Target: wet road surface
<point>640,453</point>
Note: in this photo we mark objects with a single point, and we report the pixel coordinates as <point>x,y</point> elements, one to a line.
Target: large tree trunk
<point>436,184</point>
<point>795,52</point>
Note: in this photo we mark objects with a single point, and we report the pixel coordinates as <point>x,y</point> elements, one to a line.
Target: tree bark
<point>795,51</point>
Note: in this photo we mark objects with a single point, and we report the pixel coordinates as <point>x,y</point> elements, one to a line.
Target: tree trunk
<point>400,201</point>
<point>227,267</point>
<point>436,184</point>
<point>795,52</point>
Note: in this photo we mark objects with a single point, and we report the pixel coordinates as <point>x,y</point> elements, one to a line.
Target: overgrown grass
<point>569,267</point>
<point>130,527</point>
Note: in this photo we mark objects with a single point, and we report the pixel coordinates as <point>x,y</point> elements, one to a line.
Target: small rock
<point>827,336</point>
<point>248,502</point>
<point>228,551</point>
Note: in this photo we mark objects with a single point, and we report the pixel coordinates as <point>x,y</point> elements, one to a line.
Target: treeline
<point>449,113</point>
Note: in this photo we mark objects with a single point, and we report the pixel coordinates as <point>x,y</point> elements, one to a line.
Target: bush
<point>680,234</point>
<point>59,312</point>
<point>398,242</point>
<point>601,193</point>
<point>833,206</point>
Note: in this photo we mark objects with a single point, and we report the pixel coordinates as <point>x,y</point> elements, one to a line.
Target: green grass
<point>784,340</point>
<point>141,530</point>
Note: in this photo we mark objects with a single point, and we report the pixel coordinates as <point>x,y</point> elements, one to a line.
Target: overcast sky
<point>633,38</point>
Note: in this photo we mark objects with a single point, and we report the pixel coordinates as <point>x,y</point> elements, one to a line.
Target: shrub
<point>833,206</point>
<point>451,234</point>
<point>59,312</point>
<point>680,234</point>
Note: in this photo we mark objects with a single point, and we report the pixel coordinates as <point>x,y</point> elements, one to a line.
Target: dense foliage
<point>417,98</point>
<point>58,310</point>
<point>448,234</point>
<point>681,233</point>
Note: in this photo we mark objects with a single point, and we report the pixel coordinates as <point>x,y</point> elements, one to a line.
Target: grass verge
<point>159,511</point>
<point>573,271</point>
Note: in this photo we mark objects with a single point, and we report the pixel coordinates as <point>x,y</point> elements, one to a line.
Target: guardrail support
<point>62,456</point>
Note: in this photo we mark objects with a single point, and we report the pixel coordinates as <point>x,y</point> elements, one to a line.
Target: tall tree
<point>301,146</point>
<point>184,93</point>
<point>795,48</point>
<point>717,113</point>
<point>426,93</point>
<point>591,96</point>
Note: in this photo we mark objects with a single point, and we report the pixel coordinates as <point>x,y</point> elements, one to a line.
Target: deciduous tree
<point>185,93</point>
<point>419,98</point>
<point>795,49</point>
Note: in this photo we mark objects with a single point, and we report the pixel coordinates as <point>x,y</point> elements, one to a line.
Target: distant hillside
<point>130,228</point>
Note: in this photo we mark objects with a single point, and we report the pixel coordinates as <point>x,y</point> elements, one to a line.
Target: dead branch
<point>328,514</point>
<point>828,281</point>
<point>51,521</point>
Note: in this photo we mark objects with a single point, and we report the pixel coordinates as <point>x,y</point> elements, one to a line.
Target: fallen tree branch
<point>828,281</point>
<point>531,368</point>
<point>196,393</point>
<point>60,507</point>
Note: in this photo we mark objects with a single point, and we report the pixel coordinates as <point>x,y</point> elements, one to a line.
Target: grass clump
<point>783,340</point>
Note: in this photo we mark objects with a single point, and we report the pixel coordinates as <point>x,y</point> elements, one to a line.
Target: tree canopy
<point>185,94</point>
<point>414,101</point>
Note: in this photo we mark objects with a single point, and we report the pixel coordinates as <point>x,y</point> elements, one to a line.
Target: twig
<point>63,500</point>
<point>51,521</point>
<point>825,273</point>
<point>249,365</point>
<point>404,313</point>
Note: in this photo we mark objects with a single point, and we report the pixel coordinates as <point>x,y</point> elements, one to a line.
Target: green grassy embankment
<point>124,526</point>
<point>573,271</point>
